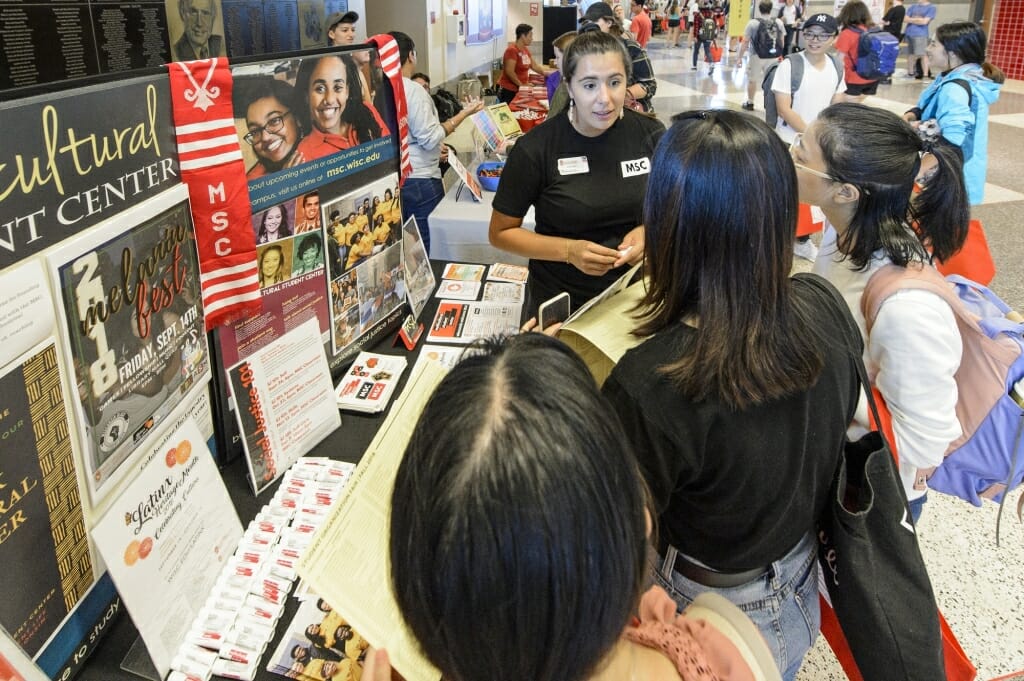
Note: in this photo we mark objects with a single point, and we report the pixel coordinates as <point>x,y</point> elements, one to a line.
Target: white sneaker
<point>806,250</point>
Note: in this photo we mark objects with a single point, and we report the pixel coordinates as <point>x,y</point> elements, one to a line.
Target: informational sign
<point>41,519</point>
<point>133,326</point>
<point>68,163</point>
<point>167,536</point>
<point>285,402</point>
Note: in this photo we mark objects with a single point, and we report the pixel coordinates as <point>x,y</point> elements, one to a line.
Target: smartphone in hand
<point>553,311</point>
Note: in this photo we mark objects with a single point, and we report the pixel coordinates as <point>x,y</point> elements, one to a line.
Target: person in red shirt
<point>854,18</point>
<point>517,62</point>
<point>641,26</point>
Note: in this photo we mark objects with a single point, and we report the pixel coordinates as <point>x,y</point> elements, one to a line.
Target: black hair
<point>309,241</point>
<point>518,535</point>
<point>765,6</point>
<point>406,46</point>
<point>422,76</point>
<point>880,153</point>
<point>591,42</point>
<point>522,29</point>
<point>967,40</point>
<point>854,13</point>
<point>356,112</point>
<point>725,264</point>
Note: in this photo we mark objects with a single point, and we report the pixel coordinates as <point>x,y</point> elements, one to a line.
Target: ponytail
<point>940,210</point>
<point>993,73</point>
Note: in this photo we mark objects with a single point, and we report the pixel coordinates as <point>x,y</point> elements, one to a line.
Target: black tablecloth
<point>347,443</point>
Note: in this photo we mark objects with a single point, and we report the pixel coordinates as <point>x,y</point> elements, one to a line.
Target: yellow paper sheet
<point>347,563</point>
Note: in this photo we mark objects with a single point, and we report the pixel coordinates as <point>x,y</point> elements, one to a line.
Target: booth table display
<point>530,106</point>
<point>458,229</point>
<point>347,443</point>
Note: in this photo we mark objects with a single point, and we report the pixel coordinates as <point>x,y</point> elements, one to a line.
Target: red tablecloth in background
<point>527,106</point>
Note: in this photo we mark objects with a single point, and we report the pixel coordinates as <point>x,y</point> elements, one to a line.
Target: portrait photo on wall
<point>275,262</point>
<point>485,21</point>
<point>273,223</point>
<point>196,28</point>
<point>133,327</point>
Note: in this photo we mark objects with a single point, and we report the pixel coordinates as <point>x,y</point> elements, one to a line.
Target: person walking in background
<point>790,15</point>
<point>674,16</point>
<point>516,64</point>
<point>917,18</point>
<point>959,99</point>
<point>423,189</point>
<point>768,29</point>
<point>641,26</point>
<point>893,23</point>
<point>854,19</point>
<point>704,33</point>
<point>822,84</point>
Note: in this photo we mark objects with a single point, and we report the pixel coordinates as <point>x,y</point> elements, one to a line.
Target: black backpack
<point>768,40</point>
<point>796,68</point>
<point>447,104</point>
<point>708,30</point>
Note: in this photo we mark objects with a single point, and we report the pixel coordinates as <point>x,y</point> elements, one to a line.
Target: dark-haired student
<point>504,572</point>
<point>584,172</point>
<point>737,402</point>
<point>860,164</point>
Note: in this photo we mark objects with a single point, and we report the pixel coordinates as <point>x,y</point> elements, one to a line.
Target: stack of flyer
<point>370,382</point>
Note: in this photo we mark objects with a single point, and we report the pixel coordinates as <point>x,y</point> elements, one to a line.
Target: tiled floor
<point>979,585</point>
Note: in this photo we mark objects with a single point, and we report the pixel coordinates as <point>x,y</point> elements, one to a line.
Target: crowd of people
<point>718,435</point>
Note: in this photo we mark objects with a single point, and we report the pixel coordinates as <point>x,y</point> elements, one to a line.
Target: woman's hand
<point>631,250</point>
<point>590,258</point>
<point>910,117</point>
<point>531,325</point>
<point>377,666</point>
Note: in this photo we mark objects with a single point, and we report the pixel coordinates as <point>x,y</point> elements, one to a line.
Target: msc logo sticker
<point>640,166</point>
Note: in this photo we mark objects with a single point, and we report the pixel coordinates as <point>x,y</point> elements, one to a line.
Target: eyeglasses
<point>799,166</point>
<point>817,173</point>
<point>274,124</point>
<point>817,37</point>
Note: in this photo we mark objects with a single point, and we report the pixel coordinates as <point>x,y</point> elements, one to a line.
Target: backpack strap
<point>796,74</point>
<point>966,86</point>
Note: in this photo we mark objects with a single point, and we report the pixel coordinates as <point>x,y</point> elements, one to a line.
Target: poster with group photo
<point>312,131</point>
<point>363,236</point>
<point>133,327</point>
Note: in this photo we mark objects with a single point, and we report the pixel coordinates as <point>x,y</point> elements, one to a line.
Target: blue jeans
<point>783,602</point>
<point>707,51</point>
<point>916,506</point>
<point>420,196</point>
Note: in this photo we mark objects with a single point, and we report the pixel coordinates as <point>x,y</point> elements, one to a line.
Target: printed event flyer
<point>41,521</point>
<point>284,401</point>
<point>133,325</point>
<point>167,537</point>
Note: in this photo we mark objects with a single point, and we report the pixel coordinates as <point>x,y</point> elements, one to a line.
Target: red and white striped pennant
<point>391,63</point>
<point>212,167</point>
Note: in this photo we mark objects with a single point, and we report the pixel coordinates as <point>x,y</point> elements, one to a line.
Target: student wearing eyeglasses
<point>273,131</point>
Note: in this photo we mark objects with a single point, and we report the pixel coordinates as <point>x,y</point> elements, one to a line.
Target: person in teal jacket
<point>957,102</point>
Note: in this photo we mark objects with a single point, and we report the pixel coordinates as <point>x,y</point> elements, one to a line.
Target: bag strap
<point>845,319</point>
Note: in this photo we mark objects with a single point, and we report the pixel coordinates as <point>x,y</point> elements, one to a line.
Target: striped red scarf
<point>391,63</point>
<point>212,167</point>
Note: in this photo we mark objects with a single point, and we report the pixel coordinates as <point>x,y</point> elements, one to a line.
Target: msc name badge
<point>640,166</point>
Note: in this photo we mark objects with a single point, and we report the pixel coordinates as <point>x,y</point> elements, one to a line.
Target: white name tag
<point>640,166</point>
<point>577,165</point>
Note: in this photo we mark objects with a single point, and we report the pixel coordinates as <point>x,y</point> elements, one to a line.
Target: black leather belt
<point>712,578</point>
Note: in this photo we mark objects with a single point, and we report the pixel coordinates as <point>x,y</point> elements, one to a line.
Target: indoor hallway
<point>978,585</point>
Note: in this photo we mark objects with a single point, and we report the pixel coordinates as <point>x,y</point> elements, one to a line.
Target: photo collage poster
<point>133,327</point>
<point>316,132</point>
<point>364,240</point>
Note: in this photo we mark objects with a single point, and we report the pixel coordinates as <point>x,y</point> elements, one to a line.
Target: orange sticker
<point>131,554</point>
<point>184,451</point>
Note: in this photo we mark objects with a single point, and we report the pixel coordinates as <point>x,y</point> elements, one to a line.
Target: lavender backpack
<point>986,460</point>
